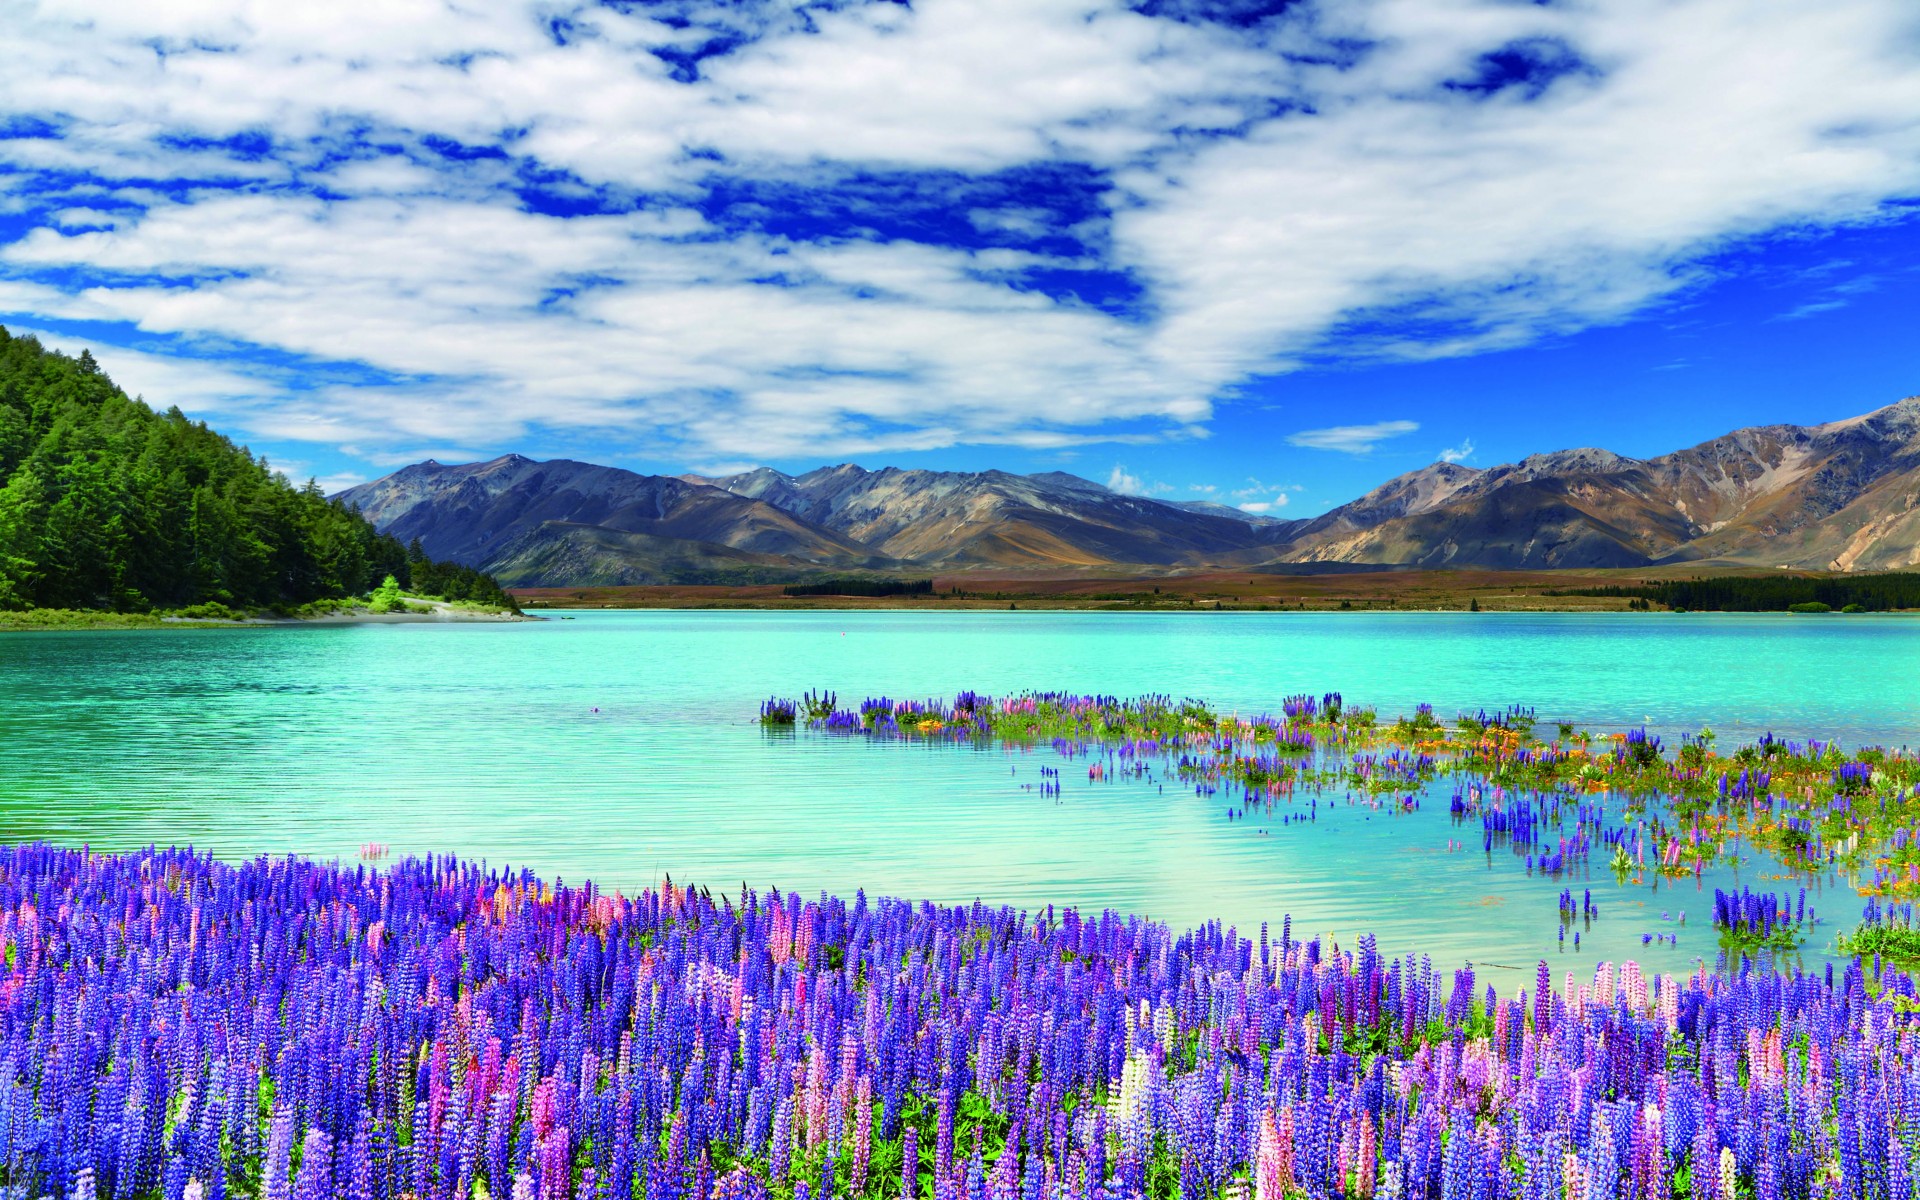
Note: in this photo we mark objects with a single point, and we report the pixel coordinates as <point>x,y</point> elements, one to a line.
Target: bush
<point>386,598</point>
<point>212,610</point>
<point>1810,606</point>
<point>54,619</point>
<point>1853,608</point>
<point>323,608</point>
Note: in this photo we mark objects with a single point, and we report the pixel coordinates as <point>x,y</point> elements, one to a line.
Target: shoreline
<point>90,620</point>
<point>1444,590</point>
<point>1270,610</point>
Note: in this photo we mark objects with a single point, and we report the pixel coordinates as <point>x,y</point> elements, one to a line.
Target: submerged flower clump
<point>1753,918</point>
<point>171,1026</point>
<point>1807,803</point>
<point>1890,931</point>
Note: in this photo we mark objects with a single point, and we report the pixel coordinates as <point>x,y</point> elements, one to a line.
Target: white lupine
<point>1133,1085</point>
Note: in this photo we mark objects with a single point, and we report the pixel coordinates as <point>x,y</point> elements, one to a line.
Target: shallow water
<point>484,740</point>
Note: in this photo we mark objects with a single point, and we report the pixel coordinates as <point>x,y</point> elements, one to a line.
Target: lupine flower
<point>561,1043</point>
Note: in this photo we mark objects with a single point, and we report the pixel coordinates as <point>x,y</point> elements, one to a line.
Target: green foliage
<point>212,610</point>
<point>386,598</point>
<point>1812,606</point>
<point>106,504</point>
<point>53,620</point>
<point>323,608</point>
<point>1900,943</point>
<point>453,582</point>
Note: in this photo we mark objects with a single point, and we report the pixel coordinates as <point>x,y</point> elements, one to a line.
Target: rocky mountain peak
<point>1063,479</point>
<point>1840,494</point>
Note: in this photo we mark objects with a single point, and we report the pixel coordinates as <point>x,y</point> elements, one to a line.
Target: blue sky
<point>1264,252</point>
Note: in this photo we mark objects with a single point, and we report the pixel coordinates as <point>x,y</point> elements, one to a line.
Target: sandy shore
<point>68,621</point>
<point>442,613</point>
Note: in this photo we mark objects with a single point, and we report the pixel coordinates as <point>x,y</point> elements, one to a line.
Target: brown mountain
<point>550,523</point>
<point>995,518</point>
<point>1840,496</point>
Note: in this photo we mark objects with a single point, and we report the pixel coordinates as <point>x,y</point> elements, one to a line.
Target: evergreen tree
<point>105,503</point>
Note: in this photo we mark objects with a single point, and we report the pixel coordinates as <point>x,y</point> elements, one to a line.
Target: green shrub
<point>212,610</point>
<point>1853,608</point>
<point>1810,606</point>
<point>386,598</point>
<point>56,619</point>
<point>323,608</point>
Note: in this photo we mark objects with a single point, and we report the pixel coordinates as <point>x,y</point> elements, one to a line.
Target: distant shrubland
<point>1772,593</point>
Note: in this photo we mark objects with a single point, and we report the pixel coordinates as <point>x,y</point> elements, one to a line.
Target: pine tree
<point>105,503</point>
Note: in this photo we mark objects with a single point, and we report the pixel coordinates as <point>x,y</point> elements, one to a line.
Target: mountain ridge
<point>1842,495</point>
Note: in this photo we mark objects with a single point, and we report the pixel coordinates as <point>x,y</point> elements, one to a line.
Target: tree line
<point>862,587</point>
<point>107,504</point>
<point>1771,593</point>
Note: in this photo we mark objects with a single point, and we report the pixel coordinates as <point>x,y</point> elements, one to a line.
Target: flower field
<point>175,1026</point>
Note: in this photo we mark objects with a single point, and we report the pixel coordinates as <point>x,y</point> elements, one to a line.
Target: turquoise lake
<point>622,746</point>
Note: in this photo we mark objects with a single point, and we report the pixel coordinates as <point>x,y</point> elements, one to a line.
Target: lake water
<point>622,746</point>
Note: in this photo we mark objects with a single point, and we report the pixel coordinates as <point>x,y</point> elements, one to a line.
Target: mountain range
<point>1843,496</point>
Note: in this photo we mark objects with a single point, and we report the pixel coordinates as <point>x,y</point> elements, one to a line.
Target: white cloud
<point>1125,482</point>
<point>1833,297</point>
<point>1258,497</point>
<point>1460,453</point>
<point>1352,439</point>
<point>288,178</point>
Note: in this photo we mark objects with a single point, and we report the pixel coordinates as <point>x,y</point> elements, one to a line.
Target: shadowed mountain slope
<point>964,518</point>
<point>503,510</point>
<point>1841,496</point>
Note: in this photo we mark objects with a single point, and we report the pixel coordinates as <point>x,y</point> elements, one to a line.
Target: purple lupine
<point>275,1183</point>
<point>910,1164</point>
<point>315,1181</point>
<point>526,1035</point>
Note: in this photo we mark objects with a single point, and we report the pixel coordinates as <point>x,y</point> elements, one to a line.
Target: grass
<point>56,619</point>
<point>211,615</point>
<point>40,620</point>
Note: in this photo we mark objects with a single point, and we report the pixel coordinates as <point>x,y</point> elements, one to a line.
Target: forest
<point>107,504</point>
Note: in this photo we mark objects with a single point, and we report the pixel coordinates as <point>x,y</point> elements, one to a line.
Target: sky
<point>1265,252</point>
